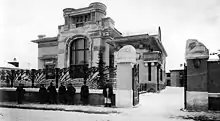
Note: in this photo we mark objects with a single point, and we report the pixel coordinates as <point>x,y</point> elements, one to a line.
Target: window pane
<point>86,44</point>
<point>73,46</point>
<point>79,57</point>
<point>73,58</point>
<point>80,44</point>
<point>87,56</point>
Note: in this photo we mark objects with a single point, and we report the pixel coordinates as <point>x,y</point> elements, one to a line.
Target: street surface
<point>163,106</point>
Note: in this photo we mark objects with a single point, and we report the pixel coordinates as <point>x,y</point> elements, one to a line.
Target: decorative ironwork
<point>75,75</point>
<point>135,84</point>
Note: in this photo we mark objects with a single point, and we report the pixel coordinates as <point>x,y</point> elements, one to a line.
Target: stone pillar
<point>95,51</point>
<point>61,55</point>
<point>197,91</point>
<point>126,58</point>
<point>154,76</point>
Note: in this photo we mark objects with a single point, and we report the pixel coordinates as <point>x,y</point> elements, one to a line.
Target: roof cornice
<point>47,39</point>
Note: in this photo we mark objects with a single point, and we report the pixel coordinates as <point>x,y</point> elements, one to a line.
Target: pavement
<point>163,106</point>
<point>60,107</point>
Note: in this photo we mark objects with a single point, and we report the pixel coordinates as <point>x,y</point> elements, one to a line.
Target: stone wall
<point>32,96</point>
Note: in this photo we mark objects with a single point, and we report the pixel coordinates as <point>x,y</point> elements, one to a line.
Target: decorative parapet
<point>96,6</point>
<point>152,56</point>
<point>48,57</point>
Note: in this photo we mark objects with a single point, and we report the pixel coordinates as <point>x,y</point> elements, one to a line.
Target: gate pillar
<point>126,58</point>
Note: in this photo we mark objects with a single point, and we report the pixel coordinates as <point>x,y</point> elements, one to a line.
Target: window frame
<point>74,49</point>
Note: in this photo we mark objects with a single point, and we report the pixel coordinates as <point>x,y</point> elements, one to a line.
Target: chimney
<point>41,36</point>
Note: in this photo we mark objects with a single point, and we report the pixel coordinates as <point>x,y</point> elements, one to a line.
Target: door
<point>135,84</point>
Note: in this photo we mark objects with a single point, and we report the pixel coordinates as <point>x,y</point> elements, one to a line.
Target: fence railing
<point>74,74</point>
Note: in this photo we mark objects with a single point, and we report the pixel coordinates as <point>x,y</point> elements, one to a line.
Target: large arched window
<point>79,52</point>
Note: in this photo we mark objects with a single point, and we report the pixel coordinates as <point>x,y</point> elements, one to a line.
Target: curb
<point>58,109</point>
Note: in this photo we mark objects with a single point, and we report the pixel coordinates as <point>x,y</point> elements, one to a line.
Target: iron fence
<point>74,74</point>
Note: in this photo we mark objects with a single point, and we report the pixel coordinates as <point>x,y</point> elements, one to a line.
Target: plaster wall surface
<point>174,78</point>
<point>124,77</point>
<point>143,72</point>
<point>124,98</point>
<point>40,64</point>
<point>47,51</point>
<point>197,77</point>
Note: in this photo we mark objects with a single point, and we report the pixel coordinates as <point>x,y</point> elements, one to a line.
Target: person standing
<point>20,93</point>
<point>62,93</point>
<point>84,93</point>
<point>108,93</point>
<point>52,93</point>
<point>70,94</point>
<point>42,94</point>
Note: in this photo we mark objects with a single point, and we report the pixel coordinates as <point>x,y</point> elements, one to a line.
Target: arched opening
<point>79,52</point>
<point>79,55</point>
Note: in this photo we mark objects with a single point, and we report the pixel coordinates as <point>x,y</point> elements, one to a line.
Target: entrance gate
<point>135,84</point>
<point>185,84</point>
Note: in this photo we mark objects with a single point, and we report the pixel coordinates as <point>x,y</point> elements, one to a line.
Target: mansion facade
<point>86,30</point>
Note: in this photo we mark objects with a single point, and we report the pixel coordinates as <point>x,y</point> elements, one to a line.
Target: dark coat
<point>42,91</point>
<point>84,91</point>
<point>62,90</point>
<point>70,90</point>
<point>52,90</point>
<point>110,91</point>
<point>43,94</point>
<point>20,92</point>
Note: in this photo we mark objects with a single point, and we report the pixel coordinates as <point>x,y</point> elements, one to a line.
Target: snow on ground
<point>163,106</point>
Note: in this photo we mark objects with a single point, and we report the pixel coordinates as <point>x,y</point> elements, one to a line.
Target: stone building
<point>176,78</point>
<point>168,79</point>
<point>151,57</point>
<point>86,30</point>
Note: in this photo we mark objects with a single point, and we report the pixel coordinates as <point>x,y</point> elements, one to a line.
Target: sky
<point>24,20</point>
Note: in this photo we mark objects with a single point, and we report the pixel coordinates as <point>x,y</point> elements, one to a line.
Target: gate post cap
<point>126,54</point>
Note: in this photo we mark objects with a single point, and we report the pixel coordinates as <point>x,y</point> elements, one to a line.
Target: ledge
<point>46,39</point>
<point>99,91</point>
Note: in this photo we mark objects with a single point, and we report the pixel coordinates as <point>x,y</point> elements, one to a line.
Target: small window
<point>149,71</point>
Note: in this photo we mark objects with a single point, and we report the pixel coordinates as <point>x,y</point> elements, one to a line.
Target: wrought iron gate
<point>135,84</point>
<point>185,84</point>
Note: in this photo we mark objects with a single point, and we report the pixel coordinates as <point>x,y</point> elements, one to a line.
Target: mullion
<point>84,51</point>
